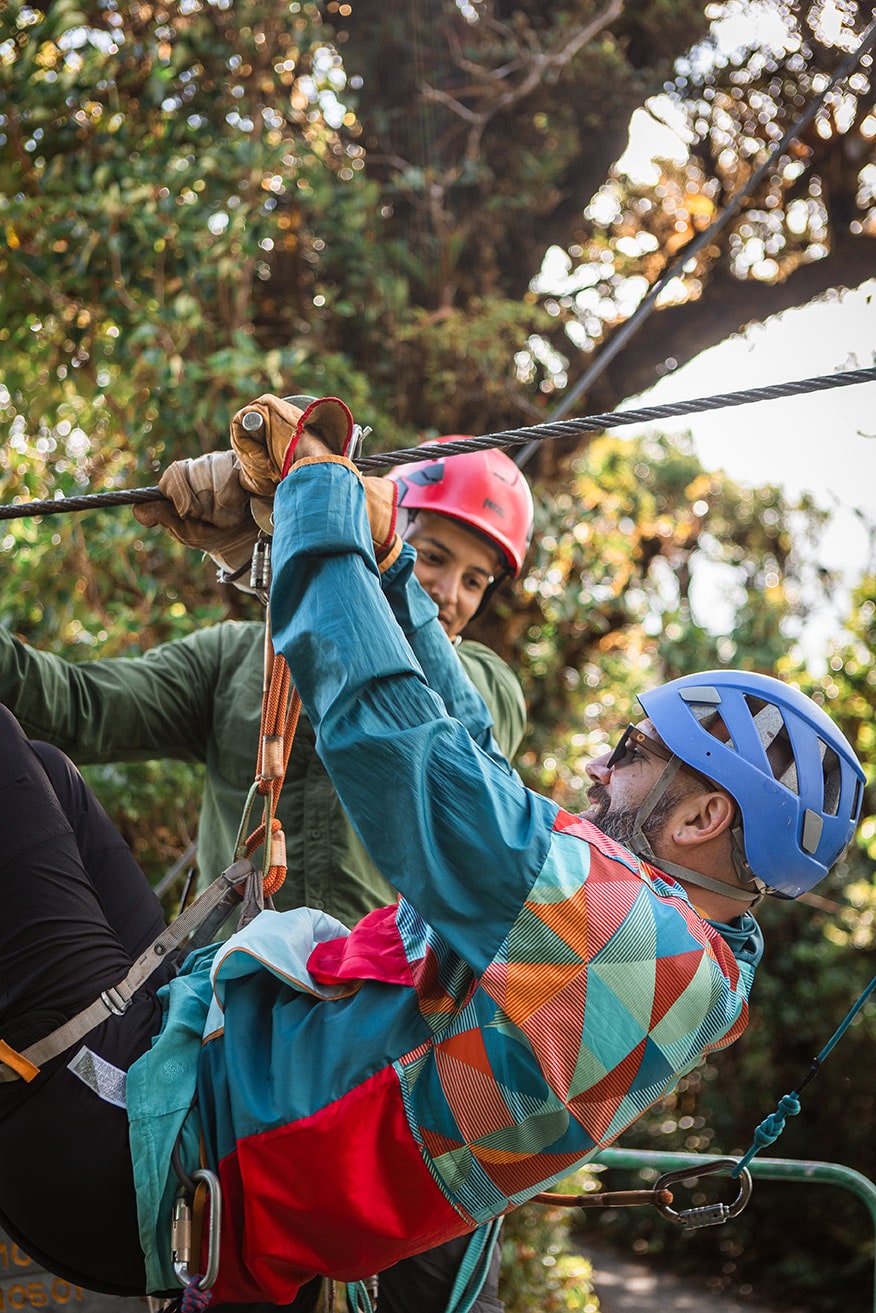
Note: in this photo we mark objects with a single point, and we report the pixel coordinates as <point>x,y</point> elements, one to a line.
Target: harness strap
<point>642,848</point>
<point>281,705</point>
<point>116,1001</point>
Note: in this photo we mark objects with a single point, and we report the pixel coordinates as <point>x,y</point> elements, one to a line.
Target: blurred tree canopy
<point>201,201</point>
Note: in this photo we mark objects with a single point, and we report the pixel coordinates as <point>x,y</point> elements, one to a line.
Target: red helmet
<point>484,490</point>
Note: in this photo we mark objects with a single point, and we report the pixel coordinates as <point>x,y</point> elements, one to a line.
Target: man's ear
<point>702,816</point>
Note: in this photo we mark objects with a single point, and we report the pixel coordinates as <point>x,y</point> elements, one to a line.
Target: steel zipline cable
<point>505,438</point>
<point>527,440</point>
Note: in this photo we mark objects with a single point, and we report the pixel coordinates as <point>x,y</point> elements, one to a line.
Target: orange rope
<point>281,708</point>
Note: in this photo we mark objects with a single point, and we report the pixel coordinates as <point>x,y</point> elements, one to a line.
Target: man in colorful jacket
<point>363,1096</point>
<point>199,699</point>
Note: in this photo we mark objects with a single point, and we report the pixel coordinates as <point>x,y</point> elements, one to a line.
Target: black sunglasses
<point>631,738</point>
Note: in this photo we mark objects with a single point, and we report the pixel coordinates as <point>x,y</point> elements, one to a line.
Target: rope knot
<point>194,1299</point>
<point>771,1127</point>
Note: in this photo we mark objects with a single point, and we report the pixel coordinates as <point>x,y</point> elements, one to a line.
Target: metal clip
<point>115,1002</point>
<point>710,1214</point>
<point>181,1230</point>
<point>357,438</point>
<point>260,569</point>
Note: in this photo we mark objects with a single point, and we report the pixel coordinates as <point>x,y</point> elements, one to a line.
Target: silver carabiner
<point>181,1230</point>
<point>710,1214</point>
<point>260,566</point>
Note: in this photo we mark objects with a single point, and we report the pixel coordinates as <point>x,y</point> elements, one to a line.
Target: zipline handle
<point>606,1199</point>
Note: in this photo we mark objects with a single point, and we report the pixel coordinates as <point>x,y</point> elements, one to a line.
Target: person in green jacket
<point>199,698</point>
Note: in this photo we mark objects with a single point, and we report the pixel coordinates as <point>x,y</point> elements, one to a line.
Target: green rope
<point>358,1299</point>
<point>240,841</point>
<point>789,1105</point>
<point>474,1267</point>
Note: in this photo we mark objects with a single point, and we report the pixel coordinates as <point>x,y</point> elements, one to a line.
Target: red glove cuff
<point>330,420</point>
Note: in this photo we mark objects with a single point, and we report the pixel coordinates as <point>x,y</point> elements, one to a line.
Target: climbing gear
<point>709,1214</point>
<point>184,1246</point>
<point>199,923</point>
<point>381,501</point>
<point>359,1297</point>
<point>207,508</point>
<point>756,736</point>
<point>605,1199</point>
<point>789,1105</point>
<point>474,1268</point>
<point>217,900</point>
<point>281,707</point>
<point>482,490</point>
<point>266,433</point>
<point>505,438</point>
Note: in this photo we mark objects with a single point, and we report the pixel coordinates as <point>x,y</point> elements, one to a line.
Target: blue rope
<point>194,1299</point>
<point>358,1299</point>
<point>789,1105</point>
<point>474,1267</point>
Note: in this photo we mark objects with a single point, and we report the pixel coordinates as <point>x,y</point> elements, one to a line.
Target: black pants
<point>423,1283</point>
<point>75,911</point>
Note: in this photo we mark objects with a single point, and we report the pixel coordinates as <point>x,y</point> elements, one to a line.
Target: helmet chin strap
<point>642,848</point>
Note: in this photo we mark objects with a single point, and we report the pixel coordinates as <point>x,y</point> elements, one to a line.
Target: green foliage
<point>625,560</point>
<point>201,202</point>
<point>538,1271</point>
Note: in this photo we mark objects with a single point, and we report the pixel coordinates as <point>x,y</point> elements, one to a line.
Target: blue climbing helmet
<point>793,775</point>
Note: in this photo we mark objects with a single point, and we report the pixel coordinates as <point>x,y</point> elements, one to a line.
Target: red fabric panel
<point>373,951</point>
<point>343,1193</point>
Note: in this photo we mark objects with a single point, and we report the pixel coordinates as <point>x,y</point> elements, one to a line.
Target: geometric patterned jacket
<point>364,1096</point>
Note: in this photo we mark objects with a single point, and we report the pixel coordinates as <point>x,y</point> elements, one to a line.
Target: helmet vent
<point>711,720</point>
<point>832,774</point>
<point>812,827</point>
<point>773,734</point>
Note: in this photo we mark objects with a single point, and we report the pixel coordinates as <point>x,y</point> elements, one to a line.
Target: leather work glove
<point>272,435</point>
<point>381,500</point>
<point>207,508</point>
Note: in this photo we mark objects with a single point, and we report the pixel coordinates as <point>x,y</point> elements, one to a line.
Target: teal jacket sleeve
<point>417,616</point>
<point>453,830</point>
<point>120,709</point>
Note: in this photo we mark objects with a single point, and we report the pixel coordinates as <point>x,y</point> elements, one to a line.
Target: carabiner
<point>710,1214</point>
<point>181,1230</point>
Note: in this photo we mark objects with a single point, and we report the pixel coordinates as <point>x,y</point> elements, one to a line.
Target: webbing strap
<point>115,1001</point>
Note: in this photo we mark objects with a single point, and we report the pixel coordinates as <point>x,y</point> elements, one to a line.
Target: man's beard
<point>620,824</point>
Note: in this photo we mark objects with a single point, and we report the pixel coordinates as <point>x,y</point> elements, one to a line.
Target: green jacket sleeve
<point>122,709</point>
<point>500,688</point>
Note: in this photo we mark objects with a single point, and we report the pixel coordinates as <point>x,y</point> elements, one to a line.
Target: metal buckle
<point>115,1002</point>
<point>710,1214</point>
<point>357,439</point>
<point>181,1230</point>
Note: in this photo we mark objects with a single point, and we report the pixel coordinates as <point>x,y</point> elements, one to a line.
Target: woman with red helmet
<point>470,518</point>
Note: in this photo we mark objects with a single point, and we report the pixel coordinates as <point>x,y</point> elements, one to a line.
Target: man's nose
<point>598,769</point>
